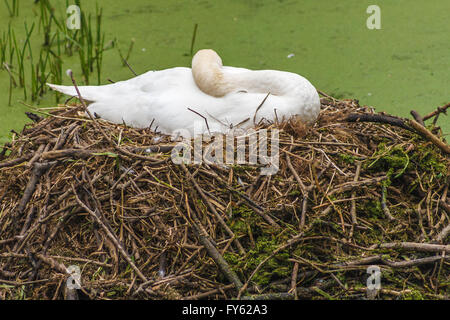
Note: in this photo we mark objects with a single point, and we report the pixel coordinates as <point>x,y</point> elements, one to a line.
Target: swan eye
<point>242,91</point>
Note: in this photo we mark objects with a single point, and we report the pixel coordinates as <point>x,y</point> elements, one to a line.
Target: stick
<point>436,112</point>
<point>415,262</point>
<point>259,107</point>
<point>417,117</point>
<point>426,247</point>
<point>213,253</point>
<point>380,118</point>
<point>129,67</point>
<point>219,260</point>
<point>353,207</point>
<point>11,163</point>
<point>38,170</point>
<point>270,296</point>
<point>211,207</point>
<point>208,293</point>
<point>384,206</point>
<point>305,191</point>
<point>430,136</point>
<point>204,118</point>
<point>294,279</point>
<point>110,235</point>
<point>352,184</point>
<point>443,234</point>
<point>326,95</point>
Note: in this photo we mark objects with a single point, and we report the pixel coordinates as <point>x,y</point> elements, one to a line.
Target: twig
<point>212,208</point>
<point>415,262</point>
<point>38,170</point>
<point>417,117</point>
<point>326,95</point>
<point>110,235</point>
<point>259,107</point>
<point>13,162</point>
<point>204,118</point>
<point>443,234</point>
<point>426,247</point>
<point>72,153</point>
<point>294,279</point>
<point>305,191</point>
<point>380,118</point>
<point>129,67</point>
<point>216,256</point>
<point>437,111</point>
<point>209,293</point>
<point>384,206</point>
<point>430,136</point>
<point>353,208</point>
<point>353,184</point>
<point>270,296</point>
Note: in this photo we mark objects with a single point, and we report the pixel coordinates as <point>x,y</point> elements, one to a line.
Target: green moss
<point>347,158</point>
<point>414,295</point>
<point>390,159</point>
<point>116,291</point>
<point>239,227</point>
<point>373,209</point>
<point>426,158</point>
<point>393,160</point>
<point>240,169</point>
<point>265,239</point>
<point>276,267</point>
<point>231,258</point>
<point>241,218</point>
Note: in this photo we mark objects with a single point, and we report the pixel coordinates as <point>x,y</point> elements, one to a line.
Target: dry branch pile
<point>356,189</point>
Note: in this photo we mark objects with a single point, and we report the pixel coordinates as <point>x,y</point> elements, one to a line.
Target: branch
<point>415,262</point>
<point>213,210</point>
<point>426,247</point>
<point>437,111</point>
<point>417,116</point>
<point>16,161</point>
<point>110,235</point>
<point>379,118</point>
<point>427,134</point>
<point>443,234</point>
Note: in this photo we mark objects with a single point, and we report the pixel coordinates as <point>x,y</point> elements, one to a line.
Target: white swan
<point>226,96</point>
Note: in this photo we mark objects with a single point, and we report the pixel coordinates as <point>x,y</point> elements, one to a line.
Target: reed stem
<point>194,35</point>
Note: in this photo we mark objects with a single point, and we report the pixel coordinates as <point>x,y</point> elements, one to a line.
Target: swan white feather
<point>225,96</point>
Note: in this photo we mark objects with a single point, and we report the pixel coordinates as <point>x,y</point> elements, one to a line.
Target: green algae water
<point>403,65</point>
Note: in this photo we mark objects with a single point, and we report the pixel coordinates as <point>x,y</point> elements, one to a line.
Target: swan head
<point>205,56</point>
<point>208,74</point>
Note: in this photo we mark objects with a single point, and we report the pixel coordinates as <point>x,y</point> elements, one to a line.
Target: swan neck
<point>212,78</point>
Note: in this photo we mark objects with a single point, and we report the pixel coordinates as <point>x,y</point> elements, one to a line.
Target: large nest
<point>357,189</point>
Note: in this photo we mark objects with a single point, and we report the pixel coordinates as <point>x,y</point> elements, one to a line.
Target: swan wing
<point>150,82</point>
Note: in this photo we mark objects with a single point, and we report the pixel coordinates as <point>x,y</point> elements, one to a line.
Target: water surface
<point>405,65</point>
